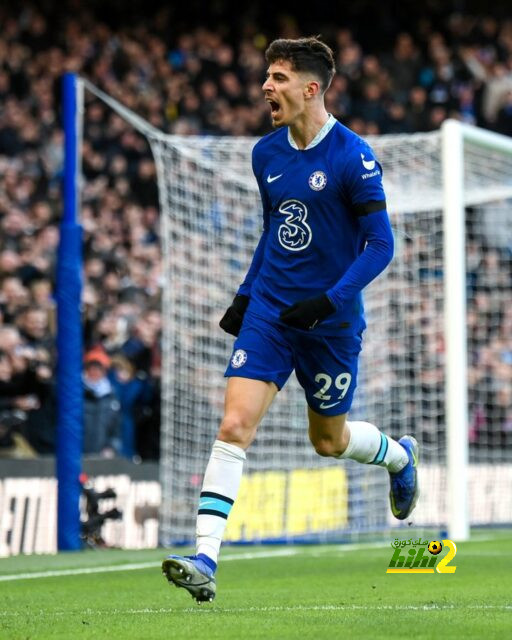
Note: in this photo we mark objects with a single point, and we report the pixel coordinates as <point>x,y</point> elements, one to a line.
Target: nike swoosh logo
<point>272,178</point>
<point>328,406</point>
<point>394,510</point>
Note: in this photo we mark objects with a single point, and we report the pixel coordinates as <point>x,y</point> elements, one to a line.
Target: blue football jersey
<point>326,228</point>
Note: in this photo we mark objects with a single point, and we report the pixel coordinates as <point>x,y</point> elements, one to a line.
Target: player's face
<point>285,92</point>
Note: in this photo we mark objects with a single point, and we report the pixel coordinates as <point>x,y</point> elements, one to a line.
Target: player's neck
<point>307,125</point>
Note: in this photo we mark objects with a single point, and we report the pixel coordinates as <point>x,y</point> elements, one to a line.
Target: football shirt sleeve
<point>362,187</point>
<point>257,259</point>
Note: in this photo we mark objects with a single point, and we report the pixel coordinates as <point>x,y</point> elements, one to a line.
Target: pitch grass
<point>314,592</point>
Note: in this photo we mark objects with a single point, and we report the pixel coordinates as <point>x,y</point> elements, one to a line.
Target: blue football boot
<point>404,490</point>
<point>193,574</point>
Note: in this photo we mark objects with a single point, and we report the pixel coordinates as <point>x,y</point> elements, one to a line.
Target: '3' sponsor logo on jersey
<point>294,234</point>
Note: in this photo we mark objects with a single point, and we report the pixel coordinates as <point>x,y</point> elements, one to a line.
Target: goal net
<point>211,222</point>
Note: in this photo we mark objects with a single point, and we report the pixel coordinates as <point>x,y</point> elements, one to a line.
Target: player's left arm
<point>363,189</point>
<point>376,256</point>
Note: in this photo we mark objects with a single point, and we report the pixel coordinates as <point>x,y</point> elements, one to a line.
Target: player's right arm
<point>231,321</point>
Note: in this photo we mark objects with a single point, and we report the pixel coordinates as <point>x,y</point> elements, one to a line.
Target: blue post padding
<point>69,338</point>
<point>69,386</point>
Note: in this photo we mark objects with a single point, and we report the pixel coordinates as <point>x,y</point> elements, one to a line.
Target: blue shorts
<point>326,367</point>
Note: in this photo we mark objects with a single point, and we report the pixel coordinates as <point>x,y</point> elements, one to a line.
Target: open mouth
<point>274,106</point>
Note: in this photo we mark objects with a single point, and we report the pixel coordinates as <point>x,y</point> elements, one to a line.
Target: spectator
<point>102,410</point>
<point>33,324</point>
<point>504,118</point>
<point>403,66</point>
<point>133,391</point>
<point>26,393</point>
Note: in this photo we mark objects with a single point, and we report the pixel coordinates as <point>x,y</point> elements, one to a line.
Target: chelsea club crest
<point>317,180</point>
<point>239,358</point>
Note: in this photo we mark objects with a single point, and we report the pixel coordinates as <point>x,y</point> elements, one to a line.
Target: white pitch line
<point>76,572</point>
<point>276,553</point>
<point>322,607</point>
<point>213,610</point>
<point>137,565</point>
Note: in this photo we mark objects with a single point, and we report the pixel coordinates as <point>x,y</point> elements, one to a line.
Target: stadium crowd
<point>189,80</point>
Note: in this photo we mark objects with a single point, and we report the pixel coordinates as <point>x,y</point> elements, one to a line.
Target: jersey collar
<point>331,121</point>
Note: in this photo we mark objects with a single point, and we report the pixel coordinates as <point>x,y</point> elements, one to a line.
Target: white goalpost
<point>432,354</point>
<point>455,137</point>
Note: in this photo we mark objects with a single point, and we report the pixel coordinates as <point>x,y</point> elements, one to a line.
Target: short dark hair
<point>304,54</point>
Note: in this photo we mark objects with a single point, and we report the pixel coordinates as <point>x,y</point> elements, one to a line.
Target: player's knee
<point>236,429</point>
<point>327,448</point>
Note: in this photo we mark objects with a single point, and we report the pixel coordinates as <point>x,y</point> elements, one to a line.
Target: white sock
<point>220,486</point>
<point>369,445</point>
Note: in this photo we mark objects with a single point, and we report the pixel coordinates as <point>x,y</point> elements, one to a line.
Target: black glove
<point>231,321</point>
<point>308,313</point>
